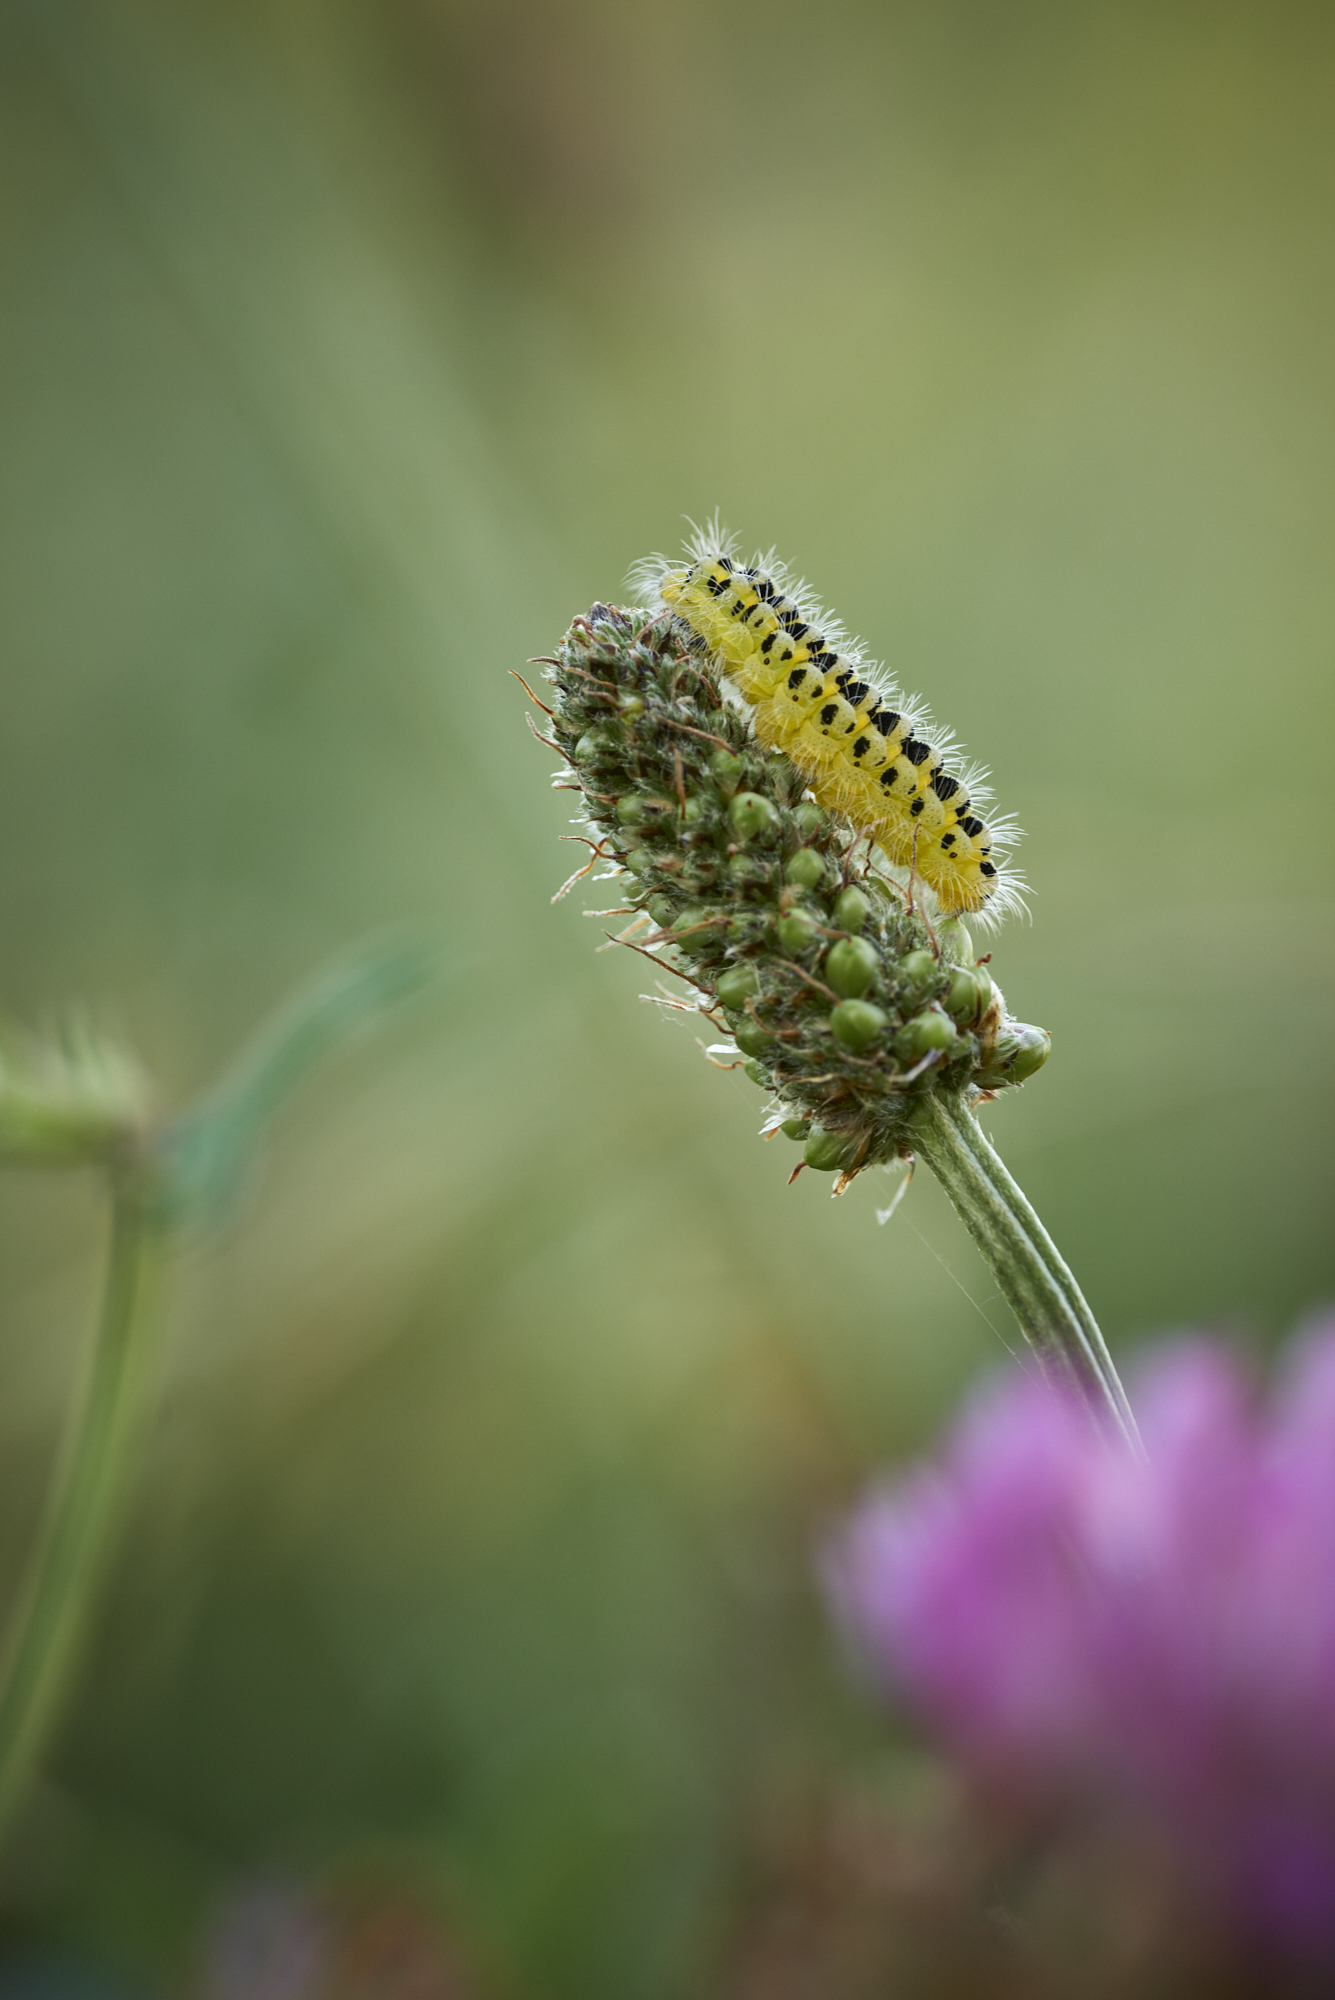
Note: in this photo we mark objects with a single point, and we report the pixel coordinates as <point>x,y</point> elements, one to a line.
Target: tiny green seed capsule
<point>737,985</point>
<point>695,810</point>
<point>825,1151</point>
<point>796,931</point>
<point>660,908</point>
<point>1019,1051</point>
<point>805,869</point>
<point>690,920</point>
<point>850,910</point>
<point>727,770</point>
<point>795,1128</point>
<point>630,809</point>
<point>592,745</point>
<point>750,816</point>
<point>756,1073</point>
<point>745,868</point>
<point>918,967</point>
<point>1035,1048</point>
<point>640,861</point>
<point>752,1039</point>
<point>955,942</point>
<point>631,706</point>
<point>964,996</point>
<point>926,1031</point>
<point>857,1024</point>
<point>850,967</point>
<point>810,820</point>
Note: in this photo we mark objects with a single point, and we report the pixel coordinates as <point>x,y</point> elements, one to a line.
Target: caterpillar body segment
<point>864,755</point>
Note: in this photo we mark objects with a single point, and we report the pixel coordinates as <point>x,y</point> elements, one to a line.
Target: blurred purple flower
<point>1155,1640</point>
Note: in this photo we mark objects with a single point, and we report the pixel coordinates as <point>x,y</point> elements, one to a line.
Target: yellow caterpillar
<point>850,734</point>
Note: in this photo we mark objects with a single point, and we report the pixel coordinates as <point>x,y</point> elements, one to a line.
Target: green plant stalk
<point>51,1616</point>
<point>1030,1272</point>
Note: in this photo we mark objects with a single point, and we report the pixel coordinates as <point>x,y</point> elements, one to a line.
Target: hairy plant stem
<point>51,1615</point>
<point>1030,1273</point>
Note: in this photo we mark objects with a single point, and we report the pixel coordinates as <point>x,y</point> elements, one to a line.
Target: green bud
<point>737,985</point>
<point>630,809</point>
<point>751,816</point>
<point>805,869</point>
<point>796,931</point>
<point>850,910</point>
<point>826,1151</point>
<point>810,820</point>
<point>857,1024</point>
<point>925,1032</point>
<point>955,942</point>
<point>918,967</point>
<point>695,810</point>
<point>592,745</point>
<point>660,909</point>
<point>850,967</point>
<point>727,770</point>
<point>745,868</point>
<point>631,706</point>
<point>752,1039</point>
<point>640,862</point>
<point>795,1128</point>
<point>756,1073</point>
<point>965,994</point>
<point>691,920</point>
<point>1019,1051</point>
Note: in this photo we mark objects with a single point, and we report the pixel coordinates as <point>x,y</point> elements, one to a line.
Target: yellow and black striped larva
<point>868,754</point>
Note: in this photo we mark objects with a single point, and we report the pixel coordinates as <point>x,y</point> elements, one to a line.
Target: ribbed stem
<point>1030,1273</point>
<point>51,1614</point>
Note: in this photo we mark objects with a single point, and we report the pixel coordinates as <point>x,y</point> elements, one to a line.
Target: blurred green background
<point>347,349</point>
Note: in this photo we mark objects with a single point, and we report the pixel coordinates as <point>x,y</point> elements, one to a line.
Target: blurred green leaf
<point>202,1158</point>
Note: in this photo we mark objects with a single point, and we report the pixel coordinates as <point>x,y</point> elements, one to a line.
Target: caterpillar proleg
<point>867,753</point>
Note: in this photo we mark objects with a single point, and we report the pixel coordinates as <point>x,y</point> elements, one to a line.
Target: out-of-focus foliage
<point>348,347</point>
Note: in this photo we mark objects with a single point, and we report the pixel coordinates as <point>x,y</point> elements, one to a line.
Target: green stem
<point>1030,1273</point>
<point>51,1614</point>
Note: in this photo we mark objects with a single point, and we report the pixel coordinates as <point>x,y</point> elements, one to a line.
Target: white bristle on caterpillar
<point>868,753</point>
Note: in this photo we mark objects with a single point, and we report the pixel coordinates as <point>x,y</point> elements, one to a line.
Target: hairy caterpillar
<point>866,753</point>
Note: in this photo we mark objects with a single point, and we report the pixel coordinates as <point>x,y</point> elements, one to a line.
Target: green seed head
<point>967,994</point>
<point>805,869</point>
<point>631,706</point>
<point>850,967</point>
<point>593,746</point>
<point>857,1024</point>
<point>737,985</point>
<point>851,910</point>
<point>810,820</point>
<point>660,909</point>
<point>925,1032</point>
<point>796,931</point>
<point>1019,1051</point>
<point>826,1151</point>
<point>640,862</point>
<point>955,942</point>
<point>747,870</point>
<point>919,967</point>
<point>630,809</point>
<point>750,816</point>
<point>756,1074</point>
<point>727,770</point>
<point>752,1039</point>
